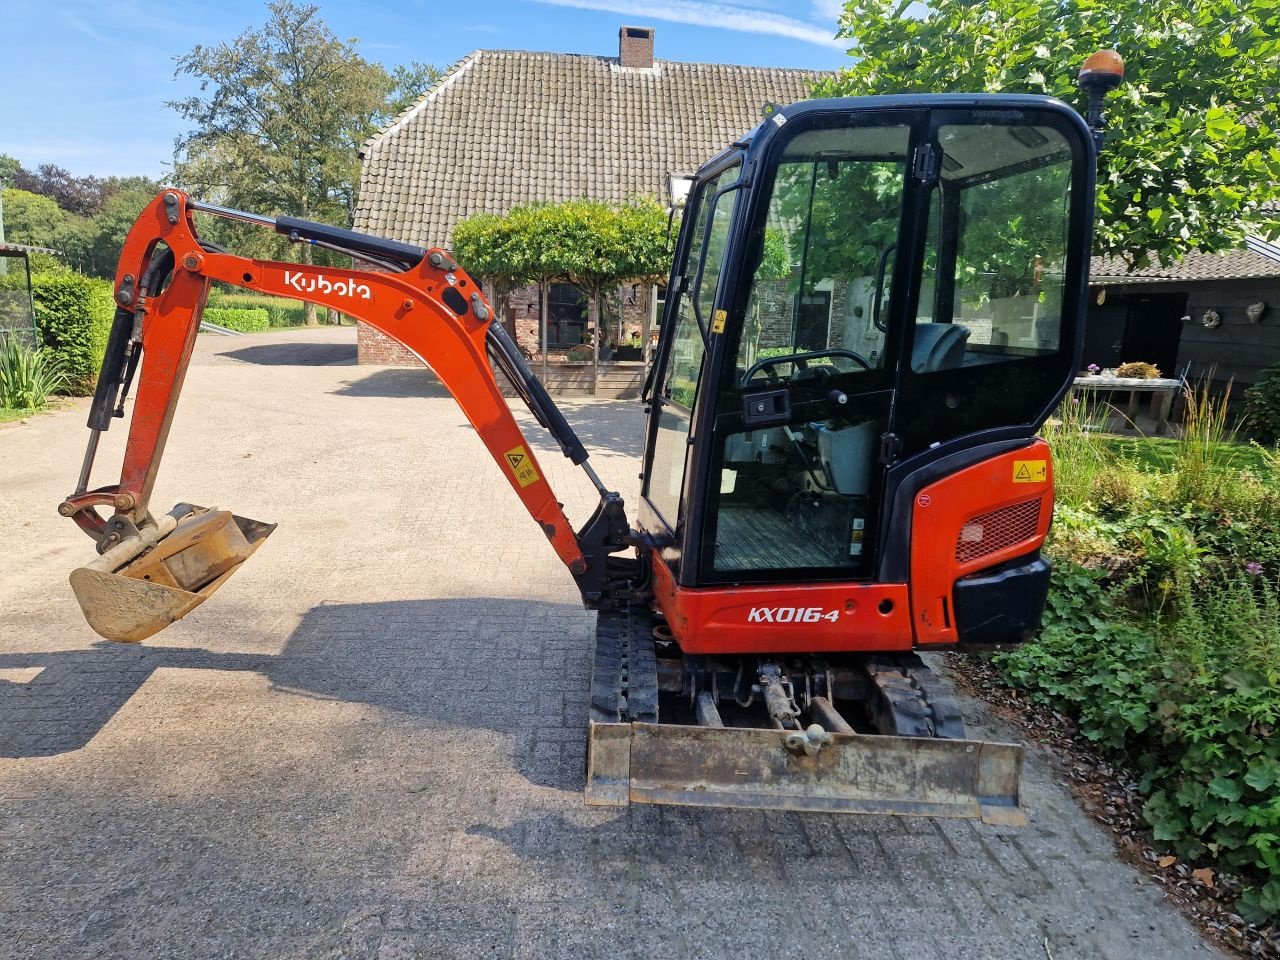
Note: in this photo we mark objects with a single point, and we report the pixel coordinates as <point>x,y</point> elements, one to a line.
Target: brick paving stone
<point>370,743</point>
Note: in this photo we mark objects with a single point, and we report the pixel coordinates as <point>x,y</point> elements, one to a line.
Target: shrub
<point>1262,406</point>
<point>235,318</point>
<point>1138,371</point>
<point>280,312</point>
<point>27,376</point>
<point>582,353</point>
<point>73,315</point>
<point>1191,703</point>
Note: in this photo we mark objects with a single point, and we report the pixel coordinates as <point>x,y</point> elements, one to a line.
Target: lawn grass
<point>1159,454</point>
<point>8,415</point>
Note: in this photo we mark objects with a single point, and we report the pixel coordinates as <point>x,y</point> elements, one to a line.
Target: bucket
<point>144,583</point>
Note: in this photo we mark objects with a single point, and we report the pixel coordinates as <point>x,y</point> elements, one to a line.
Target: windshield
<point>818,297</point>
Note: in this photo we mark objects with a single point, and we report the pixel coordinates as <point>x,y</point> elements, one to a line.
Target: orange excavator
<point>874,304</point>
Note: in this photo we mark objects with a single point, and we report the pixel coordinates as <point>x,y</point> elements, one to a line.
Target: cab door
<point>807,364</point>
<point>681,362</point>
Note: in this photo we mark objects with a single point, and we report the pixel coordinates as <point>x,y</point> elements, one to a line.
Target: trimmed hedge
<point>73,315</point>
<point>280,312</point>
<point>235,318</point>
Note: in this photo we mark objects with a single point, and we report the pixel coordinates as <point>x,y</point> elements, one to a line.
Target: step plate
<point>852,773</point>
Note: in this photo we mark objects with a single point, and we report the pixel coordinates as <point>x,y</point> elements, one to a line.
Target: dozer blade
<point>849,773</point>
<point>144,583</point>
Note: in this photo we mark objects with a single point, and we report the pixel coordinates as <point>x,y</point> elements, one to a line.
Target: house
<point>1214,315</point>
<point>508,127</point>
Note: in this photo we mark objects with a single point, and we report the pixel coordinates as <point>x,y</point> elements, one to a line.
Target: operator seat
<point>938,346</point>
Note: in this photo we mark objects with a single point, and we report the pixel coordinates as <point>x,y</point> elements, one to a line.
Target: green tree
<point>281,114</point>
<point>594,245</point>
<point>9,171</point>
<point>1191,162</point>
<point>32,219</point>
<point>410,81</point>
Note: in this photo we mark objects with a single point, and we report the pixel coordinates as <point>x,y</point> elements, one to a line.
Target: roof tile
<point>505,127</point>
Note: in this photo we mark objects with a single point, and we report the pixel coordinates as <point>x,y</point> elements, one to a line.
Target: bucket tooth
<point>147,582</point>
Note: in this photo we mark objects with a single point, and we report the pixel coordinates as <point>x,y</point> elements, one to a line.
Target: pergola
<point>17,306</point>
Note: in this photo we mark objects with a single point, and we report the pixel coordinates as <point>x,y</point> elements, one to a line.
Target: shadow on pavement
<point>615,426</point>
<point>395,382</point>
<point>295,354</point>
<point>516,667</point>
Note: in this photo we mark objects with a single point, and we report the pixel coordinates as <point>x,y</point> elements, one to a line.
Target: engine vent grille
<point>994,531</point>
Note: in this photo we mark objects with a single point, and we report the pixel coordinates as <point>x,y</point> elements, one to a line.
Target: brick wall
<point>375,347</point>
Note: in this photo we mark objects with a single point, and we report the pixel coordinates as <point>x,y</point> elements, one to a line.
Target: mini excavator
<point>874,305</point>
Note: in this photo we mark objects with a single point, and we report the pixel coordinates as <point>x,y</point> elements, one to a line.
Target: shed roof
<point>1255,260</point>
<point>506,127</point>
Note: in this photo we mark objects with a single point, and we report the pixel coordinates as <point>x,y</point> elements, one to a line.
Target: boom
<point>419,297</point>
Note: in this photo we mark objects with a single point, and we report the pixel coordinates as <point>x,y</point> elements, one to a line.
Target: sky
<point>85,83</point>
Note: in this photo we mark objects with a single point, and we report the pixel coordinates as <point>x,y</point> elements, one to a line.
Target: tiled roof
<point>507,127</point>
<point>1256,259</point>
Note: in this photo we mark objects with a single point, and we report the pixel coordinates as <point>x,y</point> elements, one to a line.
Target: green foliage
<point>1192,705</point>
<point>9,168</point>
<point>1191,159</point>
<point>409,82</point>
<point>1162,637</point>
<point>33,220</point>
<point>280,312</point>
<point>90,244</point>
<point>236,318</point>
<point>1205,456</point>
<point>594,245</point>
<point>27,376</point>
<point>282,112</point>
<point>73,315</point>
<point>1262,406</point>
<point>589,243</point>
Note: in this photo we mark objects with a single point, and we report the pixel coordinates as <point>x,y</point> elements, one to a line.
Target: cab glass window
<point>819,294</point>
<point>992,291</point>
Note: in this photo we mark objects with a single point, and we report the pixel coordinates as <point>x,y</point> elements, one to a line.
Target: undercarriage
<point>846,733</point>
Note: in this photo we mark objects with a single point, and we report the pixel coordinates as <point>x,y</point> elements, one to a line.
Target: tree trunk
<point>309,313</point>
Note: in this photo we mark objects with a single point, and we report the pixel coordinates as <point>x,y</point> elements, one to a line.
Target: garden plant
<point>1162,637</point>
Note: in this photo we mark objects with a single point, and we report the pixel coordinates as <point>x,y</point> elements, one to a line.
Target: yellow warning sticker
<point>718,320</point>
<point>522,466</point>
<point>1030,471</point>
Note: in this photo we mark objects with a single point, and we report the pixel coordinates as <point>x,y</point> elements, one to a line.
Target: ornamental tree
<point>594,245</point>
<point>1191,160</point>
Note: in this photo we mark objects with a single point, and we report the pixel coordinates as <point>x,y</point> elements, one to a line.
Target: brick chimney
<point>635,47</point>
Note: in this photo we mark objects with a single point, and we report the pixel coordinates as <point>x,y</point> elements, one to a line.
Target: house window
<point>659,304</point>
<point>567,315</point>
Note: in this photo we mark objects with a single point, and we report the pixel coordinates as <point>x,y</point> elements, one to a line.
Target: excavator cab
<point>867,303</point>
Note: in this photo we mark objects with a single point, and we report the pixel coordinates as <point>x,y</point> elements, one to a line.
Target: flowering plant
<point>1094,368</point>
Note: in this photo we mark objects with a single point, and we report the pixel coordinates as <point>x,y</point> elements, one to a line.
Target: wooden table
<point>1162,392</point>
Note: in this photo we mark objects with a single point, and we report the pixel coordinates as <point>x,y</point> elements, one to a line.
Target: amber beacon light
<point>1101,73</point>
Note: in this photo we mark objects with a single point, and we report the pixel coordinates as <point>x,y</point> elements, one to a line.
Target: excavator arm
<point>421,298</point>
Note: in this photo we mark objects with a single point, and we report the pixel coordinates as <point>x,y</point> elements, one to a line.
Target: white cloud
<point>827,9</point>
<point>710,14</point>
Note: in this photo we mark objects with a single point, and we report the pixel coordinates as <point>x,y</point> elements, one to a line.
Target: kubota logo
<point>322,284</point>
<point>791,615</point>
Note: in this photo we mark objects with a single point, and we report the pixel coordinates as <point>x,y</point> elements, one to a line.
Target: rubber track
<point>624,673</point>
<point>919,703</point>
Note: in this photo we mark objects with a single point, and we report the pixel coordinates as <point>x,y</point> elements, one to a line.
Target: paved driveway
<point>370,743</point>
